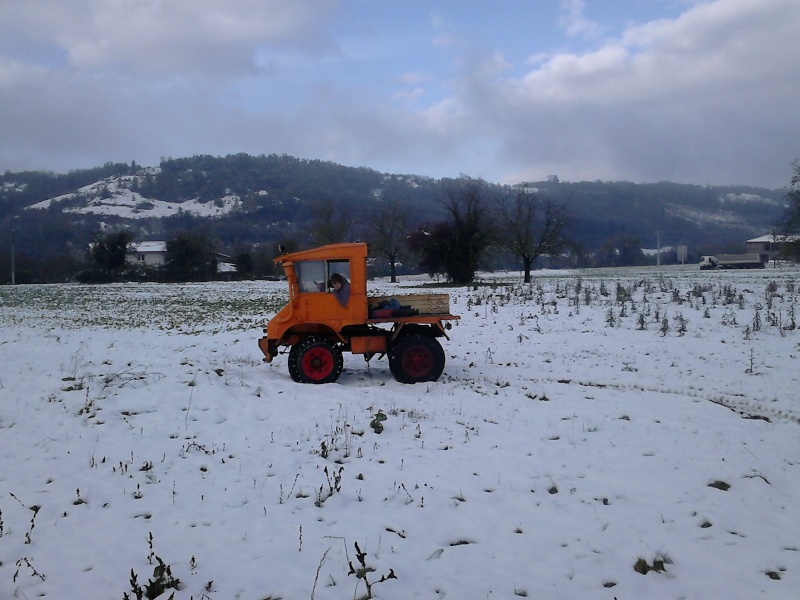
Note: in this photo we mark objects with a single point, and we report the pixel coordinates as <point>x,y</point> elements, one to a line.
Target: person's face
<point>337,285</point>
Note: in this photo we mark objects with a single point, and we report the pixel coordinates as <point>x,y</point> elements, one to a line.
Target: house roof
<point>775,239</point>
<point>143,247</point>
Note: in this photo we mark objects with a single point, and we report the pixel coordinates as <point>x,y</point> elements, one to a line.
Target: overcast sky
<point>704,92</point>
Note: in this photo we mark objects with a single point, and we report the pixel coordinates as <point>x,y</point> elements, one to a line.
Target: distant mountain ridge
<point>242,200</point>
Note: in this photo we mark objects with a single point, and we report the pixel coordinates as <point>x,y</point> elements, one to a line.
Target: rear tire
<point>315,360</point>
<point>416,358</point>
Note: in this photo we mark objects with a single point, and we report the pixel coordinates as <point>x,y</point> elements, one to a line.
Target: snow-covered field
<point>602,434</point>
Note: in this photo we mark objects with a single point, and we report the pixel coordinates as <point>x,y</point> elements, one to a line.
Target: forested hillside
<point>244,203</point>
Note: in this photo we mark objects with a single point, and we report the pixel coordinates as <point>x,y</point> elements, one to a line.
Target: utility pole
<point>13,250</point>
<point>658,248</point>
<point>13,270</point>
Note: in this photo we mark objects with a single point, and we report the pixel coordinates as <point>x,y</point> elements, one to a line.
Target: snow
<point>657,251</point>
<point>148,246</point>
<point>113,197</point>
<point>568,440</point>
<point>772,239</point>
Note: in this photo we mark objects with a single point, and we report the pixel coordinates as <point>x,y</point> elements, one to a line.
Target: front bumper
<point>269,348</point>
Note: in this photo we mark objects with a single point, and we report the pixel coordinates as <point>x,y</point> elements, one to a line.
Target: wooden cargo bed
<point>426,304</point>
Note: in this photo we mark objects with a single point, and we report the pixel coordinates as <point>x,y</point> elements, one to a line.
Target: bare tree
<point>332,222</point>
<point>533,226</point>
<point>389,225</point>
<point>190,257</point>
<point>468,232</point>
<point>790,221</point>
<point>621,250</point>
<point>109,250</point>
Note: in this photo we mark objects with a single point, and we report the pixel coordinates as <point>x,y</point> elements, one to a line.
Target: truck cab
<point>312,306</point>
<point>708,263</point>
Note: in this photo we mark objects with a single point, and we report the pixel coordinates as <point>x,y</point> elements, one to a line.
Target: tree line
<point>190,256</point>
<point>477,223</point>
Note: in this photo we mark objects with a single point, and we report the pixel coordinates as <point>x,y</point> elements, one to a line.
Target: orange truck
<point>329,313</point>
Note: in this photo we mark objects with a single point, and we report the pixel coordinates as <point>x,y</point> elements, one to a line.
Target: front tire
<point>315,360</point>
<point>416,358</point>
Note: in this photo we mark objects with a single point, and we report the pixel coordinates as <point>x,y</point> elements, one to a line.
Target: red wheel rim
<point>417,361</point>
<point>317,363</point>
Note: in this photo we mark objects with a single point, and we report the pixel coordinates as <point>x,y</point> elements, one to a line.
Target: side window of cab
<point>314,275</point>
<point>339,266</point>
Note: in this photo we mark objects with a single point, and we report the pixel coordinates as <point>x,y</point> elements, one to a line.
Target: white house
<point>154,254</point>
<point>147,254</point>
<point>770,247</point>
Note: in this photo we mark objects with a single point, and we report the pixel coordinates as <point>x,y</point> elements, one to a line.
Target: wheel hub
<point>317,363</point>
<point>417,361</point>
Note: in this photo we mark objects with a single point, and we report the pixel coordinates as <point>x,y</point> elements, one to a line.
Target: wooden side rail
<point>426,304</point>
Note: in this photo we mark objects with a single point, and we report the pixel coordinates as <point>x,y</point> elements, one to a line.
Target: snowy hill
<point>114,196</point>
<point>214,187</point>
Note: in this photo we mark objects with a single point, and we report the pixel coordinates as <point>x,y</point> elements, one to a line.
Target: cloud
<point>410,95</point>
<point>707,97</point>
<point>147,37</point>
<point>573,20</point>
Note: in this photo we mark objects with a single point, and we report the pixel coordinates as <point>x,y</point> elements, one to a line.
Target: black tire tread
<point>308,343</point>
<point>403,345</point>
